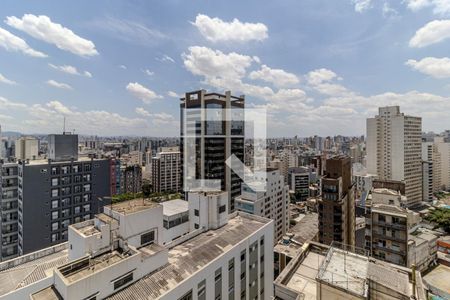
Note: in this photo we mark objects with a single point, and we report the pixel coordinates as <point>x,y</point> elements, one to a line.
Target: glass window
<point>55,193</point>
<point>55,203</point>
<point>55,237</point>
<point>122,281</point>
<point>55,181</point>
<point>55,215</point>
<point>147,238</point>
<point>55,226</point>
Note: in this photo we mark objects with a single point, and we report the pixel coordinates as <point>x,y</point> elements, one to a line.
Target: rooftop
<point>32,162</point>
<point>188,257</point>
<point>133,206</point>
<point>185,259</point>
<point>345,270</point>
<point>386,208</point>
<point>305,230</point>
<point>30,269</point>
<point>304,278</point>
<point>174,207</point>
<point>438,280</point>
<point>299,276</point>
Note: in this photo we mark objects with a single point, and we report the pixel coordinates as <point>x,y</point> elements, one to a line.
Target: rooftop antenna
<point>64,126</point>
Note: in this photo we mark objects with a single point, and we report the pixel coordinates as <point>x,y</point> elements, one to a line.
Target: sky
<point>318,67</point>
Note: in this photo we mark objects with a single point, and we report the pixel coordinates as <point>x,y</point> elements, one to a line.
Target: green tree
<point>440,216</point>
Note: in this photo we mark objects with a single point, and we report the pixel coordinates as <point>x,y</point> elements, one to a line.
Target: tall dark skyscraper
<point>217,137</point>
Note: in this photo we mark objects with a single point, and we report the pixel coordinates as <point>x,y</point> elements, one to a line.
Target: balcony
<point>391,250</point>
<point>401,226</point>
<point>389,237</point>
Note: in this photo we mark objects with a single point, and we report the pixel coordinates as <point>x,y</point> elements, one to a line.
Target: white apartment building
<point>166,170</point>
<point>443,148</point>
<point>120,255</point>
<point>27,148</point>
<point>394,149</point>
<point>431,163</point>
<point>269,199</point>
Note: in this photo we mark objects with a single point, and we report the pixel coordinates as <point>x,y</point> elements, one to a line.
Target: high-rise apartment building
<point>53,194</point>
<point>431,163</point>
<point>337,204</point>
<point>166,170</point>
<point>9,234</point>
<point>27,148</point>
<point>443,147</point>
<point>394,149</point>
<point>391,231</point>
<point>267,196</point>
<point>298,180</point>
<point>214,122</point>
<point>130,179</point>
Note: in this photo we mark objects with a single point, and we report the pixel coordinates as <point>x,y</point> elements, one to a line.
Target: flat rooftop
<point>190,256</point>
<point>133,206</point>
<point>303,278</point>
<point>345,270</point>
<point>174,207</point>
<point>31,271</point>
<point>45,161</point>
<point>438,280</point>
<point>305,230</point>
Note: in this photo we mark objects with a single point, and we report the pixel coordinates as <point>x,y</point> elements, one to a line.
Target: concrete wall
<point>208,272</point>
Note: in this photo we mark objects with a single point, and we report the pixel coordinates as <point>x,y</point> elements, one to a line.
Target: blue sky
<point>319,67</point>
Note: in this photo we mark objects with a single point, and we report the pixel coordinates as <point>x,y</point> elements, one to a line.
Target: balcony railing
<point>392,225</point>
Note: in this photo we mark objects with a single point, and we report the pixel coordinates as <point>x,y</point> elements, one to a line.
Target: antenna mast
<point>64,126</point>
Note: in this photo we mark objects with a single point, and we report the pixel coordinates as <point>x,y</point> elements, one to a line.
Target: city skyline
<point>313,78</point>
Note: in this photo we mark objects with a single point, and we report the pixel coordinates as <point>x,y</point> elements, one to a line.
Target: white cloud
<point>416,5</point>
<point>59,107</point>
<point>13,43</point>
<point>7,104</point>
<point>158,119</point>
<point>217,30</point>
<point>3,79</point>
<point>440,7</point>
<point>148,72</point>
<point>42,28</point>
<point>323,81</point>
<point>141,111</point>
<point>123,67</point>
<point>432,33</point>
<point>362,5</point>
<point>388,11</point>
<point>165,58</point>
<point>436,67</point>
<point>173,94</point>
<point>278,77</point>
<point>129,31</point>
<point>70,70</point>
<point>320,75</point>
<point>59,85</point>
<point>141,92</point>
<point>227,71</point>
<point>209,63</point>
<point>48,118</point>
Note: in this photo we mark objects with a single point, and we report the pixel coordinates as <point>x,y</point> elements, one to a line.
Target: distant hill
<point>11,134</point>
